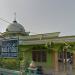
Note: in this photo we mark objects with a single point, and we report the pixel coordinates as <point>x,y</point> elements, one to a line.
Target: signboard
<point>9,48</point>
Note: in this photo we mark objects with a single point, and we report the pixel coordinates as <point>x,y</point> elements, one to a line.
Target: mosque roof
<point>15,27</point>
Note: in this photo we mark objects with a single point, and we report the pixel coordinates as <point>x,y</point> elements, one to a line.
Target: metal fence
<point>9,72</point>
<point>13,72</point>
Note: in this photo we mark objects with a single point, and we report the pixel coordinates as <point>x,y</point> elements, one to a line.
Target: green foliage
<point>9,63</point>
<point>70,46</point>
<point>38,47</point>
<point>49,46</point>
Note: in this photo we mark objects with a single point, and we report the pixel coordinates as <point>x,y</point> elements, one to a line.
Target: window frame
<point>39,55</point>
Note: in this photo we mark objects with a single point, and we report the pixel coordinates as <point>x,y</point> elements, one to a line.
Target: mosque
<point>44,49</point>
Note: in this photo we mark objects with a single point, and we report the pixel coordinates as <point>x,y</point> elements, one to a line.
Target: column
<point>55,60</point>
<point>73,58</point>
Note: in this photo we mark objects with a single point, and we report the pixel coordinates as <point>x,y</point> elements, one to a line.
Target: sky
<point>40,16</point>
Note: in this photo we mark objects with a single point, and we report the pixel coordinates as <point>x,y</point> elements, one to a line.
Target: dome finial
<point>14,16</point>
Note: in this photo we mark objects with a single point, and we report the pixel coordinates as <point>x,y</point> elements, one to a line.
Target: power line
<point>5,20</point>
<point>15,19</point>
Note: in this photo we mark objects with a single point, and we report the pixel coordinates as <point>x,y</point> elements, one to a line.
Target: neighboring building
<point>44,49</point>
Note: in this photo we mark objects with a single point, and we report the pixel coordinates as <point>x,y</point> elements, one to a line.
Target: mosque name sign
<point>9,48</point>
